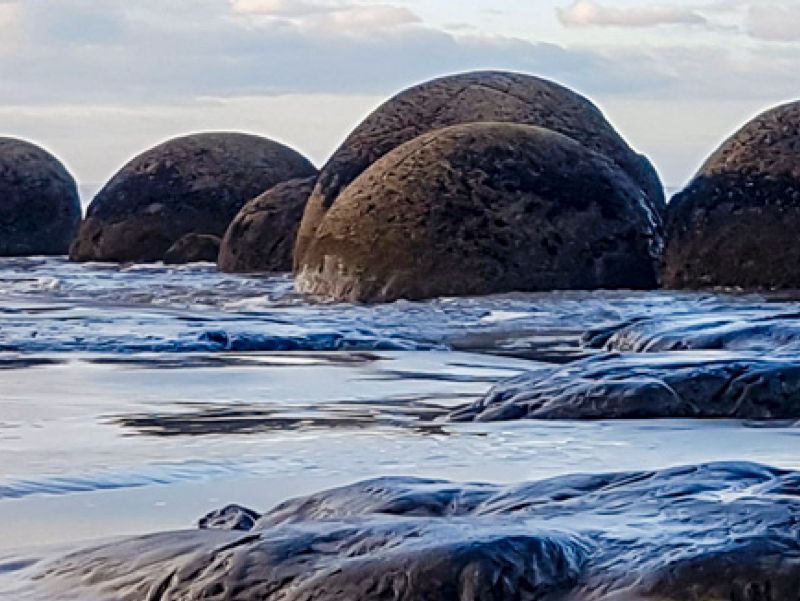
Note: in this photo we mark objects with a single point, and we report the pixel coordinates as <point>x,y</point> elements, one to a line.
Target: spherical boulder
<point>737,224</point>
<point>193,248</point>
<point>261,237</point>
<point>485,96</point>
<point>40,209</point>
<point>190,185</point>
<point>484,208</point>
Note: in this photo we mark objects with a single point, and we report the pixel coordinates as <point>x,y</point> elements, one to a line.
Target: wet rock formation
<point>39,205</point>
<point>193,248</point>
<point>262,236</point>
<point>706,532</point>
<point>736,223</point>
<point>483,208</point>
<point>757,330</point>
<point>639,386</point>
<point>190,185</point>
<point>490,96</point>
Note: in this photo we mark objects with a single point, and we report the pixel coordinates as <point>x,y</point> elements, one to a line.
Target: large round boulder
<point>261,238</point>
<point>190,185</point>
<point>484,208</point>
<point>40,209</point>
<point>737,224</point>
<point>486,96</point>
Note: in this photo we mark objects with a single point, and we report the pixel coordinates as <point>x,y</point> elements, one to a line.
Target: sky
<point>98,81</point>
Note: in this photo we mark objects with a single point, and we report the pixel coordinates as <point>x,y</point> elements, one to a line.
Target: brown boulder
<point>261,237</point>
<point>190,185</point>
<point>39,205</point>
<point>490,96</point>
<point>737,222</point>
<point>484,208</point>
<point>193,248</point>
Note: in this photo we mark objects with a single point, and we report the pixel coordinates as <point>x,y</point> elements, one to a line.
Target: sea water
<point>138,398</point>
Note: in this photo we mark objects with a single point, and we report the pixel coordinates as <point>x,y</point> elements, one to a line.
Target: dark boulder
<point>483,208</point>
<point>639,386</point>
<point>190,185</point>
<point>737,223</point>
<point>193,248</point>
<point>40,210</point>
<point>232,517</point>
<point>486,96</point>
<point>262,236</point>
<point>706,532</point>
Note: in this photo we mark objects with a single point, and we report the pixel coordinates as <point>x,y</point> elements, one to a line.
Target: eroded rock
<point>262,236</point>
<point>736,223</point>
<point>483,208</point>
<point>713,532</point>
<point>637,386</point>
<point>489,96</point>
<point>189,185</point>
<point>39,205</point>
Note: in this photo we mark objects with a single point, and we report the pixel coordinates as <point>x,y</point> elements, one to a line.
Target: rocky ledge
<point>640,386</point>
<point>724,531</point>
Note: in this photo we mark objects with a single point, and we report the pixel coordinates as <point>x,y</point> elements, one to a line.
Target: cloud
<point>587,13</point>
<point>348,18</point>
<point>773,22</point>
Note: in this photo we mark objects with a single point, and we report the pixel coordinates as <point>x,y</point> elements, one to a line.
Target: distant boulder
<point>261,237</point>
<point>737,223</point>
<point>484,96</point>
<point>193,248</point>
<point>484,208</point>
<point>189,185</point>
<point>40,209</point>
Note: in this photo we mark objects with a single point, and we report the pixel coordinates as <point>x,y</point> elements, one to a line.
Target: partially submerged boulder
<point>40,209</point>
<point>262,236</point>
<point>715,531</point>
<point>737,222</point>
<point>483,208</point>
<point>189,185</point>
<point>193,248</point>
<point>640,386</point>
<point>485,96</point>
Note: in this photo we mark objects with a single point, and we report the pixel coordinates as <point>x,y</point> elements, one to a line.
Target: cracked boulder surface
<point>712,532</point>
<point>639,386</point>
<point>261,237</point>
<point>737,222</point>
<point>189,185</point>
<point>40,209</point>
<point>486,96</point>
<point>484,208</point>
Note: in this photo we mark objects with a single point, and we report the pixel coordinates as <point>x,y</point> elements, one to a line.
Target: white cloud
<point>347,18</point>
<point>774,22</point>
<point>587,13</point>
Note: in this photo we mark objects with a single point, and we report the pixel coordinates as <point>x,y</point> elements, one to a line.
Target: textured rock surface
<point>711,532</point>
<point>737,222</point>
<point>262,236</point>
<point>469,98</point>
<point>484,208</point>
<point>190,185</point>
<point>193,248</point>
<point>232,517</point>
<point>676,385</point>
<point>39,205</point>
<point>751,331</point>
